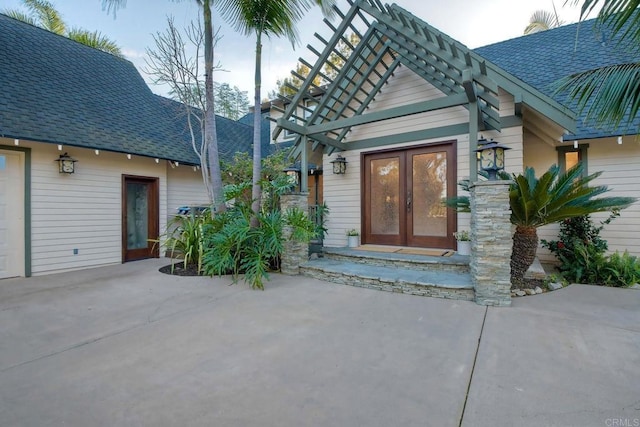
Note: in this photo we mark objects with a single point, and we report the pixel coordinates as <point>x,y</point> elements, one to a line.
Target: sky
<point>472,22</point>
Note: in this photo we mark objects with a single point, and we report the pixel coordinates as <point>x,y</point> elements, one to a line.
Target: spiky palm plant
<point>549,199</point>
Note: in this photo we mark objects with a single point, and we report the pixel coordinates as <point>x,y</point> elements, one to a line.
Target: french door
<point>403,192</point>
<point>140,219</point>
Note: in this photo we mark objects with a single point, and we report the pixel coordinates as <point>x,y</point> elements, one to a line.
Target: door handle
<point>409,201</point>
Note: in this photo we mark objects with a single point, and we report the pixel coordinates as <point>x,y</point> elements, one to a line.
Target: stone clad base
<point>491,242</point>
<point>294,253</point>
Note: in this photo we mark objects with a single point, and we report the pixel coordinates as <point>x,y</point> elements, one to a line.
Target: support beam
<point>473,141</point>
<point>304,178</point>
<point>391,113</point>
<point>419,135</point>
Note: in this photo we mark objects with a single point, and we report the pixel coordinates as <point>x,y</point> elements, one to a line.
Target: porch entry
<point>402,196</point>
<point>12,244</point>
<point>140,217</point>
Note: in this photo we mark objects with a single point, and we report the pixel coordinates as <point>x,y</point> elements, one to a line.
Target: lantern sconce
<point>66,164</point>
<point>339,165</point>
<point>293,172</point>
<point>491,156</point>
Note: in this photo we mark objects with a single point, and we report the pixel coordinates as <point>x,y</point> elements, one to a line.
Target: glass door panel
<point>429,189</point>
<point>385,192</point>
<point>137,215</point>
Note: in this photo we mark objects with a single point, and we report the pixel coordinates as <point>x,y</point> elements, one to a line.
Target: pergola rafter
<point>389,37</point>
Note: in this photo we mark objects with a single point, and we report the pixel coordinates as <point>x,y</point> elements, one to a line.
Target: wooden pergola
<point>391,37</point>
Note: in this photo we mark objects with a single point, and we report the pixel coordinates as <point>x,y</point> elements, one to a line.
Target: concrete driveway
<point>129,346</point>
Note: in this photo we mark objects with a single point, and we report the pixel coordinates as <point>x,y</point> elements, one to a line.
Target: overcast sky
<point>472,22</point>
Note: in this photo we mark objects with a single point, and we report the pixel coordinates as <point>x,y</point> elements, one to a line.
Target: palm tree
<point>611,94</point>
<point>43,14</point>
<point>210,133</point>
<point>265,18</point>
<point>549,199</point>
<point>542,20</point>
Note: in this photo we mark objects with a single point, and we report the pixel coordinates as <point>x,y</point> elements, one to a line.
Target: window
<point>287,133</point>
<point>569,156</point>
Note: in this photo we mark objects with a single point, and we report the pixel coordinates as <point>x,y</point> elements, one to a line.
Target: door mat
<point>406,251</point>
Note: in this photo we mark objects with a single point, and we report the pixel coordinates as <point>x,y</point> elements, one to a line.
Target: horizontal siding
<point>184,187</point>
<point>82,211</point>
<point>618,164</point>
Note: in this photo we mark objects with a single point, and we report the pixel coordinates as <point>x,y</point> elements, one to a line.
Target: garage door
<point>11,214</point>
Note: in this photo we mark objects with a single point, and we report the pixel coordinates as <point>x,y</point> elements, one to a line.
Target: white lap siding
<point>83,210</point>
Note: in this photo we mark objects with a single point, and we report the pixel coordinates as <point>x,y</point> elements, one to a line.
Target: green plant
<point>184,238</point>
<point>462,236</point>
<point>554,278</point>
<point>581,252</point>
<point>621,270</point>
<point>353,232</point>
<point>232,245</point>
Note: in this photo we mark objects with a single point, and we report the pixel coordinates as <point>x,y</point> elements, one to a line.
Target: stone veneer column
<point>293,253</point>
<point>491,242</point>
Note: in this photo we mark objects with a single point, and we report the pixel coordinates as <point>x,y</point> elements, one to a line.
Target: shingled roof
<point>58,91</point>
<point>543,58</point>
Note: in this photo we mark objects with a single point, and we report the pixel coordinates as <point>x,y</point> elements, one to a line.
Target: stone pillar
<point>491,242</point>
<point>293,253</point>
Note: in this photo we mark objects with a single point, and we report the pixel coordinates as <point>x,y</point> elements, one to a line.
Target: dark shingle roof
<point>55,90</point>
<point>543,58</point>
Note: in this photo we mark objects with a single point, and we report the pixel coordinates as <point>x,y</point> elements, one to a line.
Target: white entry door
<point>11,214</point>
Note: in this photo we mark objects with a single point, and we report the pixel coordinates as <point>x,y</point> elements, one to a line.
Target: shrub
<point>232,245</point>
<point>184,238</point>
<point>581,252</point>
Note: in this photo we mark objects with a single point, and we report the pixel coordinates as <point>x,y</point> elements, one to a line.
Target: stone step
<point>453,263</point>
<point>440,284</point>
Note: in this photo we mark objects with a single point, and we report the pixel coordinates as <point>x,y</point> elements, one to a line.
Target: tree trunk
<point>525,245</point>
<point>256,191</point>
<point>210,133</point>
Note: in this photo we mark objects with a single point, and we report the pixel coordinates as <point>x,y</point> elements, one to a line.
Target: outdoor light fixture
<point>339,165</point>
<point>491,157</point>
<point>66,164</point>
<point>293,172</point>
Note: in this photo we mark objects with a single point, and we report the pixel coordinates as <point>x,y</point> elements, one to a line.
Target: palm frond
<point>554,197</point>
<point>542,20</point>
<point>610,95</point>
<point>46,15</point>
<point>20,16</point>
<point>618,15</point>
<point>95,40</point>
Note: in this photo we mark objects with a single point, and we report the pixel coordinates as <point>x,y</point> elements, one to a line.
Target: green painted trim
<point>27,204</point>
<point>391,113</point>
<point>510,121</point>
<point>441,132</point>
<point>582,157</point>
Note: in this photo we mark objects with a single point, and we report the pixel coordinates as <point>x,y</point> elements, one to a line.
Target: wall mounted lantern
<point>66,164</point>
<point>293,172</point>
<point>491,156</point>
<point>339,165</point>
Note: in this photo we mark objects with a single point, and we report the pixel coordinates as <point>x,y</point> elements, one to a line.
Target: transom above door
<point>402,196</point>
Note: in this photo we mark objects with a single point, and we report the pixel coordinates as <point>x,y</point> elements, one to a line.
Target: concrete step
<point>453,263</point>
<point>440,284</point>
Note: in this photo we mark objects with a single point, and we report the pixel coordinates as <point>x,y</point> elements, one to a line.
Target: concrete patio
<point>129,346</point>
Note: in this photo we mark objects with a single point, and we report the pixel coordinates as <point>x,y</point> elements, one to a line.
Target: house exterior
<point>134,161</point>
<point>409,105</point>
